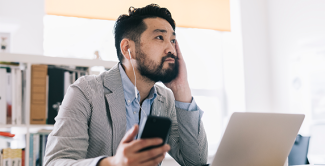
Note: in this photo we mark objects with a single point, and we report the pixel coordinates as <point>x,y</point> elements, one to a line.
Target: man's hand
<point>179,85</point>
<point>128,154</point>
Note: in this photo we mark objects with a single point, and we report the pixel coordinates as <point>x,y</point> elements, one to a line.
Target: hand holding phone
<point>128,153</point>
<point>155,127</point>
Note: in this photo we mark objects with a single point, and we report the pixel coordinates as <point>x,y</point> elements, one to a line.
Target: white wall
<point>292,25</point>
<point>274,32</point>
<point>233,67</point>
<point>24,20</point>
<point>256,55</point>
<point>296,30</point>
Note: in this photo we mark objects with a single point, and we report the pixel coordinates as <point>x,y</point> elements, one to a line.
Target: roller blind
<point>204,14</point>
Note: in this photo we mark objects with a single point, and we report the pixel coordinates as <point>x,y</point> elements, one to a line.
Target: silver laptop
<point>257,139</point>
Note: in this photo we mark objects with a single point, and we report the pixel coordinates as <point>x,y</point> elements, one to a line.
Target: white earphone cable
<point>135,85</point>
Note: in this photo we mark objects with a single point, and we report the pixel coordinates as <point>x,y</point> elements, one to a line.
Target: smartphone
<point>155,127</point>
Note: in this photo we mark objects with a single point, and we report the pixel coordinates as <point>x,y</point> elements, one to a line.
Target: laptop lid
<point>257,139</point>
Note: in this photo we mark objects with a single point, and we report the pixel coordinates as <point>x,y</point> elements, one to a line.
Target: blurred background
<point>265,56</point>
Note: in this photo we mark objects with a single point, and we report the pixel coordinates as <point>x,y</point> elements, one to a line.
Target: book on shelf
<point>56,92</point>
<point>67,80</point>
<point>10,63</point>
<point>12,157</point>
<point>3,96</point>
<point>36,138</point>
<point>11,95</point>
<point>18,97</point>
<point>38,94</point>
<point>42,145</point>
<point>37,147</point>
<point>16,92</point>
<point>48,85</point>
<point>23,155</point>
<point>59,79</point>
<point>31,150</point>
<point>23,100</point>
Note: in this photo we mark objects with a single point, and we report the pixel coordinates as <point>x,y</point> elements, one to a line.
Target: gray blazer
<point>92,121</point>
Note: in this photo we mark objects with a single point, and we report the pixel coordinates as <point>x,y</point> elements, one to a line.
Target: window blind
<point>203,14</point>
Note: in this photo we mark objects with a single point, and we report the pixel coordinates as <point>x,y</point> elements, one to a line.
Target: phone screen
<point>155,127</point>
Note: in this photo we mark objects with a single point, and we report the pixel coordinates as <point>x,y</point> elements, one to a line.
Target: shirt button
<point>134,112</point>
<point>129,101</point>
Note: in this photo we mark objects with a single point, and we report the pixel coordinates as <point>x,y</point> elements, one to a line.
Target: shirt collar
<point>128,88</point>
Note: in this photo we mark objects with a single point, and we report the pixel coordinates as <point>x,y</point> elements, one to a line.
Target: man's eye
<point>173,41</point>
<point>160,37</point>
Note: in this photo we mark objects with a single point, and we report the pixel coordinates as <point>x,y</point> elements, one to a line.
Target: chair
<point>298,153</point>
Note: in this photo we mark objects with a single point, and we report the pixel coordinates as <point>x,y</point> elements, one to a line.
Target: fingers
<point>137,145</point>
<point>180,57</point>
<point>130,134</point>
<point>178,50</point>
<point>152,154</point>
<point>154,161</point>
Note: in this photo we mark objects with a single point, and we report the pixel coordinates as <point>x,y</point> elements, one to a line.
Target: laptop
<point>257,139</point>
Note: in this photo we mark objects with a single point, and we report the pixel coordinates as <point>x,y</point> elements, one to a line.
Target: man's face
<point>156,53</point>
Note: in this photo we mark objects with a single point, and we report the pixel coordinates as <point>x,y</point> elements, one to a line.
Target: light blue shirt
<point>132,103</point>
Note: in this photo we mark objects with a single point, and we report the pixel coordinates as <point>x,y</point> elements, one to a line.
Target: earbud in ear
<point>135,78</point>
<point>129,54</point>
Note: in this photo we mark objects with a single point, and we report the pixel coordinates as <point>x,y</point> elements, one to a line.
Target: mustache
<point>169,55</point>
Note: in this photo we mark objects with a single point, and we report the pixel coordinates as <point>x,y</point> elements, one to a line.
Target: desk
<point>290,165</point>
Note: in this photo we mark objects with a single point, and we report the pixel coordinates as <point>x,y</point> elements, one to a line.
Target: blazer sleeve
<point>187,139</point>
<point>68,142</point>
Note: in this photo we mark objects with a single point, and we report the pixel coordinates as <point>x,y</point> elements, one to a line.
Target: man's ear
<point>125,45</point>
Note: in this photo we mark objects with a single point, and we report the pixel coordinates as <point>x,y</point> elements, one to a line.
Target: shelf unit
<point>28,60</point>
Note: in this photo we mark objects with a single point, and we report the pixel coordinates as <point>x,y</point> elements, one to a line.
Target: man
<point>97,111</point>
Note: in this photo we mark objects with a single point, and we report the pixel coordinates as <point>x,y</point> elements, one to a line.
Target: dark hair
<point>132,26</point>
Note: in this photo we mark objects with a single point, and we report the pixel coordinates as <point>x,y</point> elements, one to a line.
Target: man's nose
<point>171,49</point>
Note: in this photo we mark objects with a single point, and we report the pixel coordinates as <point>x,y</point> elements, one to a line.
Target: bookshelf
<point>26,61</point>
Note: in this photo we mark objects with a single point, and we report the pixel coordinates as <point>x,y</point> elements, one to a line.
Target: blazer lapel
<point>158,106</point>
<point>116,102</point>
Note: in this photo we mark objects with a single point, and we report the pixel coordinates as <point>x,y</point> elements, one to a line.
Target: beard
<point>154,71</point>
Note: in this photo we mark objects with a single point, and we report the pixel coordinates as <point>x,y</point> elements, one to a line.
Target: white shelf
<point>40,125</point>
<point>39,59</point>
<point>27,126</point>
<point>9,126</point>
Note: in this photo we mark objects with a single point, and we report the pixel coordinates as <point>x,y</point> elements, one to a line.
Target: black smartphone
<point>155,127</point>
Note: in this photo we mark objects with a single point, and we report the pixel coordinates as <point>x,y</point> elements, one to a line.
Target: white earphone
<point>129,53</point>
<point>135,77</point>
<point>135,84</point>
